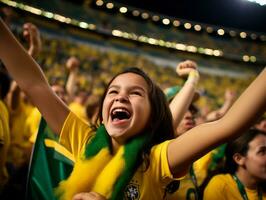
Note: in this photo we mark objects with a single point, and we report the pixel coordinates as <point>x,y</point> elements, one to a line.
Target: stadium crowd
<point>79,73</point>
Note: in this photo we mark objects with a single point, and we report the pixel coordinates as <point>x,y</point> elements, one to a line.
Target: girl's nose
<point>121,98</point>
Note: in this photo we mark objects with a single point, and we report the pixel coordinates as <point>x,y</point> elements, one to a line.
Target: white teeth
<point>120,110</point>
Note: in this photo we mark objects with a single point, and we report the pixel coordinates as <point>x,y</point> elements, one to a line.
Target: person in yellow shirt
<point>20,106</point>
<point>4,127</point>
<point>187,187</point>
<point>245,174</point>
<point>135,134</point>
<point>78,105</point>
<point>77,97</point>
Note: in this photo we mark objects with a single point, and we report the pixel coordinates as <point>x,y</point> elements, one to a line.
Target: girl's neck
<point>246,179</point>
<point>115,145</point>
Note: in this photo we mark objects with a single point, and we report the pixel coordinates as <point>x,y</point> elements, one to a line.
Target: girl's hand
<point>88,196</point>
<point>184,68</point>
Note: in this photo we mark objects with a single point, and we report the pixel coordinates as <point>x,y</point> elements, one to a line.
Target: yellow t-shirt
<point>4,142</point>
<point>185,184</point>
<point>223,187</point>
<point>19,135</point>
<point>200,168</point>
<point>32,124</point>
<point>201,165</point>
<point>79,110</point>
<point>147,185</point>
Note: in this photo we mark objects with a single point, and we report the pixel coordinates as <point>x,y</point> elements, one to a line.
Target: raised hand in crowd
<point>32,36</point>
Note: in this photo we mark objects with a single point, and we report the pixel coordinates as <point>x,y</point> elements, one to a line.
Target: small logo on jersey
<point>132,192</point>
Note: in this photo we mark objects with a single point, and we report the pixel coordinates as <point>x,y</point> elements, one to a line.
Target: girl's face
<point>126,107</point>
<point>255,160</point>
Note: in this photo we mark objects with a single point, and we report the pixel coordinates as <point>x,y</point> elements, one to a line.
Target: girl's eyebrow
<point>131,87</point>
<point>259,147</point>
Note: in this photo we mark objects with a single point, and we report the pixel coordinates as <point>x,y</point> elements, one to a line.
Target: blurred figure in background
<point>244,174</point>
<point>261,124</point>
<point>4,126</point>
<point>187,187</point>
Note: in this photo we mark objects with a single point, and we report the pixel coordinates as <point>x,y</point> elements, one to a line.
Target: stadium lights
<point>209,29</point>
<point>217,52</point>
<point>48,14</point>
<point>99,2</point>
<point>145,15</point>
<point>245,58</point>
<point>155,18</point>
<point>33,10</point>
<point>83,25</point>
<point>135,13</point>
<point>161,43</point>
<point>192,49</point>
<point>62,18</point>
<point>208,52</point>
<point>141,38</point>
<point>260,2</point>
<point>166,21</point>
<point>187,25</point>
<point>116,33</point>
<point>123,9</point>
<point>220,31</point>
<point>110,5</point>
<point>168,44</point>
<point>252,59</point>
<point>176,23</point>
<point>180,46</point>
<point>197,27</point>
<point>243,34</point>
<point>201,50</point>
<point>152,41</point>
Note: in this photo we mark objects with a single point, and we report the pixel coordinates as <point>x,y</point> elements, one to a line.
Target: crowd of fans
<point>78,73</point>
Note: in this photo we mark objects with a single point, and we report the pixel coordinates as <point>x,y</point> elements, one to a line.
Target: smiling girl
<point>131,155</point>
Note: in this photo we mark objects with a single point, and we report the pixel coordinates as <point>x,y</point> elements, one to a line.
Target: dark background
<point>238,14</point>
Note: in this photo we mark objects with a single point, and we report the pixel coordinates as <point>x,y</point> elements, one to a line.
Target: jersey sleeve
<point>75,134</point>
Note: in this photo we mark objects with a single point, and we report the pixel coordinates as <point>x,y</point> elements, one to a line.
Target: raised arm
<point>183,98</point>
<point>196,142</point>
<point>30,78</point>
<point>32,36</point>
<point>229,98</point>
<point>72,65</point>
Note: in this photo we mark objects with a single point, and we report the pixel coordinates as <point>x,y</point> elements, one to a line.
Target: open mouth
<point>120,114</point>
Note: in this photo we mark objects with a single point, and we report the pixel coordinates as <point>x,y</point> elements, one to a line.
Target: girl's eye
<point>136,93</point>
<point>112,92</point>
<point>262,151</point>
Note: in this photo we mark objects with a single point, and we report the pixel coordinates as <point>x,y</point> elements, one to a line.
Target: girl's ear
<point>239,159</point>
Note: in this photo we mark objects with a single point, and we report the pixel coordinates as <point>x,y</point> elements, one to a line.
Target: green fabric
<point>101,140</point>
<point>47,168</point>
<point>171,92</point>
<point>217,157</point>
<point>132,156</point>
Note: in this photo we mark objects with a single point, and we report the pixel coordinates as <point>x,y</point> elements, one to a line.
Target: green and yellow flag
<point>50,164</point>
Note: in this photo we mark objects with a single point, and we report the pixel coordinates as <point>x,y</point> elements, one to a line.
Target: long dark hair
<point>160,126</point>
<point>241,146</point>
